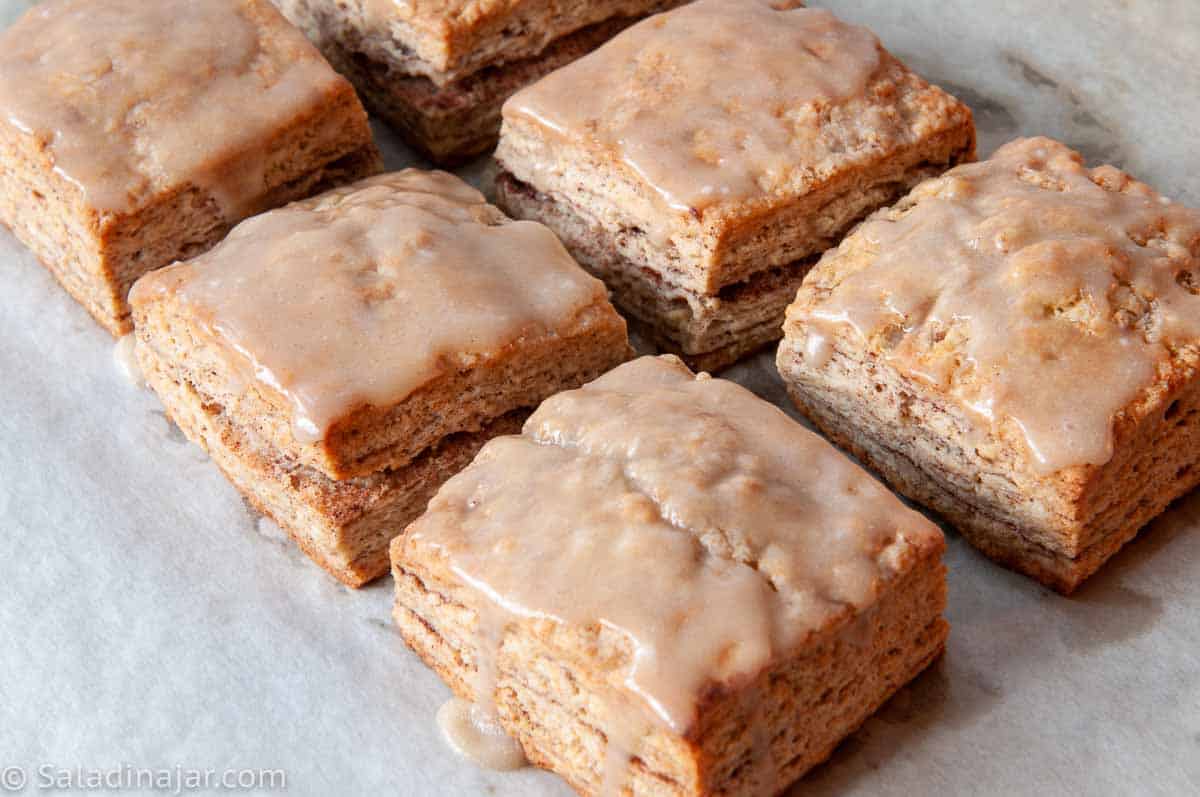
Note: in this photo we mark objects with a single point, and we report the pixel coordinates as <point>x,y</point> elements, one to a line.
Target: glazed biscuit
<point>665,586</point>
<point>134,134</point>
<point>1014,345</point>
<point>718,150</point>
<point>340,357</point>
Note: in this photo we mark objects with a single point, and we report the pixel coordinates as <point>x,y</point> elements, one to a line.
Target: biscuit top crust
<point>701,526</point>
<point>363,294</point>
<point>1031,289</point>
<point>719,101</point>
<point>133,98</point>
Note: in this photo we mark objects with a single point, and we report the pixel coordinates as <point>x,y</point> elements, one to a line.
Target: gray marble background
<point>150,619</point>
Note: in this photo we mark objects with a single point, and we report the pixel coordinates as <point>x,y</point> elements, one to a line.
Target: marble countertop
<point>151,620</point>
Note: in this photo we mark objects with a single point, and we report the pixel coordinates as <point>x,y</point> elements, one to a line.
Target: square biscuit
<point>439,72</point>
<point>134,134</point>
<point>341,356</point>
<point>1014,345</point>
<point>665,585</point>
<point>719,148</point>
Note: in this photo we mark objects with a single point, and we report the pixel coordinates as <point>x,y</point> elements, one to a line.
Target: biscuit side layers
<point>98,256</point>
<point>727,243</point>
<point>1058,530</point>
<point>451,117</point>
<point>373,438</point>
<point>550,691</point>
<point>344,526</point>
<point>713,330</point>
<point>966,442</point>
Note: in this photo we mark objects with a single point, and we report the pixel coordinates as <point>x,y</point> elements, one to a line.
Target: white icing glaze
<point>1031,290</point>
<point>126,361</point>
<point>690,521</point>
<point>132,97</point>
<point>707,101</point>
<point>476,735</point>
<point>364,294</point>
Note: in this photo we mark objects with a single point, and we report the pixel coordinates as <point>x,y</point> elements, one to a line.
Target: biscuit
<point>718,150</point>
<point>341,356</point>
<point>1014,345</point>
<point>439,72</point>
<point>135,134</point>
<point>665,586</point>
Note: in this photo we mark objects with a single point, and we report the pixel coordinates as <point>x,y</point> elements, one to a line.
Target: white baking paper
<point>150,620</point>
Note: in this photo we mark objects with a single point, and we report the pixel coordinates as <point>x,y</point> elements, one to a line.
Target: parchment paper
<point>150,620</point>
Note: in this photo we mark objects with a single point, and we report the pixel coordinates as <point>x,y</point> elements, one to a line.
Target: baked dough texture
<point>665,586</point>
<point>1014,345</point>
<point>340,357</point>
<point>439,72</point>
<point>718,150</point>
<point>135,134</point>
